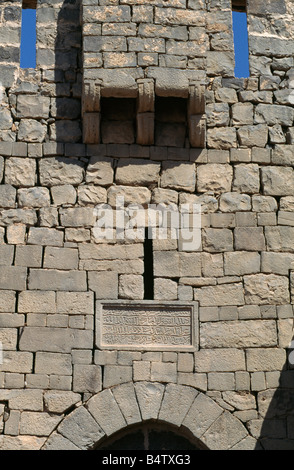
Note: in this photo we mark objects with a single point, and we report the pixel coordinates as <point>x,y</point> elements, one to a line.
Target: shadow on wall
<point>276,407</point>
<point>68,74</point>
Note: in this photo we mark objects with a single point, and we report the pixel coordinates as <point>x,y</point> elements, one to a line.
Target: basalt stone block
<point>7,196</point>
<point>31,131</point>
<point>33,106</point>
<point>33,197</point>
<point>272,114</point>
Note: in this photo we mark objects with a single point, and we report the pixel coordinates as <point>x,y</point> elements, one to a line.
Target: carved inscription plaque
<point>147,325</point>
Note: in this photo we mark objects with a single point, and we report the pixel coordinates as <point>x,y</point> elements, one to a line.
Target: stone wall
<point>69,142</point>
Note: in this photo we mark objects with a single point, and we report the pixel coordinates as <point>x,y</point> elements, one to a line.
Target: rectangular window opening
<point>28,34</point>
<point>148,268</point>
<point>170,121</point>
<point>241,45</point>
<point>118,120</point>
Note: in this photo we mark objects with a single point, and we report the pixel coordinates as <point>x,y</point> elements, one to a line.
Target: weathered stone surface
<point>32,106</point>
<point>100,171</point>
<point>149,396</point>
<point>18,216</point>
<point>228,294</point>
<point>38,424</point>
<point>220,360</point>
<point>53,363</point>
<point>221,138</point>
<point>33,197</point>
<point>214,177</point>
<point>249,239</point>
<point>87,378</point>
<point>266,289</point>
<point>217,240</point>
<point>89,194</point>
<point>56,171</point>
<point>45,236</point>
<point>264,203</point>
<point>78,420</point>
<point>178,398</point>
<point>58,442</point>
<point>64,194</point>
<point>240,400</point>
<point>20,172</point>
<point>59,340</point>
<point>129,194</point>
<point>104,284</point>
<point>253,136</point>
<point>279,238</point>
<point>7,196</point>
<point>163,372</point>
<point>165,289</point>
<point>7,301</point>
<point>61,258</point>
<point>116,374</point>
<point>246,178</point>
<point>239,263</point>
<point>265,359</point>
<point>277,181</point>
<point>31,131</point>
<point>242,114</point>
<point>233,202</point>
<point>126,399</point>
<point>137,172</point>
<point>178,176</point>
<point>203,412</point>
<point>13,277</point>
<point>21,442</point>
<point>131,286</point>
<point>65,131</point>
<point>75,303</point>
<point>106,412</point>
<point>37,302</point>
<point>274,114</point>
<point>250,333</point>
<point>224,432</point>
<point>276,263</point>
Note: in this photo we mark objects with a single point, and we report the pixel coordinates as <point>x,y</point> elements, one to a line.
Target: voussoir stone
<point>81,428</point>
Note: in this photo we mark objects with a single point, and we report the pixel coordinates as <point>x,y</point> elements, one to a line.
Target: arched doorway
<point>170,411</point>
<point>151,436</point>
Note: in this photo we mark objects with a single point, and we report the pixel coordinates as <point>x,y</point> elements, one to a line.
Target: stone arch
<point>183,407</point>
